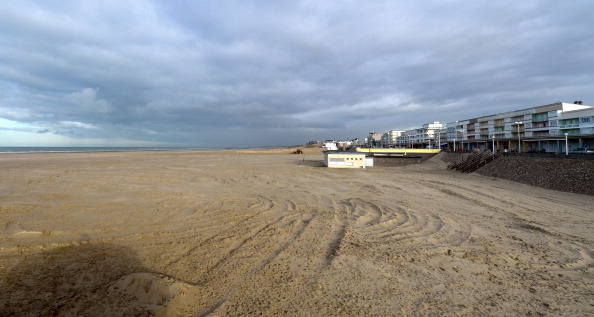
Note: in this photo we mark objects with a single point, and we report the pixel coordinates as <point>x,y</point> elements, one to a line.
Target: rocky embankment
<point>570,175</point>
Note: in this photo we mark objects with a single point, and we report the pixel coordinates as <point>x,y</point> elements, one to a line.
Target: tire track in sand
<point>233,289</point>
<point>264,205</point>
<point>576,254</point>
<point>235,249</point>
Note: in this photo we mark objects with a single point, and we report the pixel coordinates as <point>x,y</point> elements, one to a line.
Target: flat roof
<point>551,105</point>
<point>388,151</point>
<point>349,153</point>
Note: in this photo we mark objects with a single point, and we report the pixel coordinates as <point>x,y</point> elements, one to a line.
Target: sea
<point>18,149</point>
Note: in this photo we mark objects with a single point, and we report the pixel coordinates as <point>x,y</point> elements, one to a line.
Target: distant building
<point>331,146</point>
<point>359,142</point>
<point>427,136</point>
<point>532,129</point>
<point>374,139</point>
<point>389,139</point>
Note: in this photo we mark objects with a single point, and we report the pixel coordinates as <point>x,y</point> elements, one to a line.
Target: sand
<point>273,234</point>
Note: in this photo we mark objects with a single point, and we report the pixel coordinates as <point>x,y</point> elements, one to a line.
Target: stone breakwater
<point>570,175</point>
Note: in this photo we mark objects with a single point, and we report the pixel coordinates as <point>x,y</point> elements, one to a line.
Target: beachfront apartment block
<point>429,135</point>
<point>389,139</point>
<point>542,128</point>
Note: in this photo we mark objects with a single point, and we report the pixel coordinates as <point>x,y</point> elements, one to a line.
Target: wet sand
<point>274,234</point>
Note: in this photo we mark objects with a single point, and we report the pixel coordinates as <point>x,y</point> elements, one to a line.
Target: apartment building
<point>533,129</point>
<point>427,136</point>
<point>389,139</point>
<point>375,139</point>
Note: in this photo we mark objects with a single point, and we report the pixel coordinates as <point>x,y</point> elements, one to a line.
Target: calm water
<point>94,149</point>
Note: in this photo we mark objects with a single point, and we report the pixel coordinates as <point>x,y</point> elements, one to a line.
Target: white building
<point>535,128</point>
<point>390,138</point>
<point>331,146</point>
<point>531,129</point>
<point>423,137</point>
<point>346,160</point>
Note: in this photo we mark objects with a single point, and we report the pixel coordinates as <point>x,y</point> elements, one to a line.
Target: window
<point>569,124</point>
<point>540,117</point>
<point>586,120</point>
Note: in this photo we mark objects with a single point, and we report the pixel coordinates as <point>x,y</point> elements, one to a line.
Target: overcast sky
<point>265,73</point>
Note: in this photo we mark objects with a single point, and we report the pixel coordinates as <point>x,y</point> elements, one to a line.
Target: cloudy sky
<point>264,73</point>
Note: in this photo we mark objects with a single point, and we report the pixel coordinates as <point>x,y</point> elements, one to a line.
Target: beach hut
<point>344,159</point>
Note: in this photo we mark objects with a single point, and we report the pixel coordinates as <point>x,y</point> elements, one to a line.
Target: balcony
<point>538,125</point>
<point>515,130</point>
<point>562,133</point>
<point>569,126</point>
<point>540,133</point>
<point>540,128</point>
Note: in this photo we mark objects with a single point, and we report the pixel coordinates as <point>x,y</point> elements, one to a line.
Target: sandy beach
<point>228,233</point>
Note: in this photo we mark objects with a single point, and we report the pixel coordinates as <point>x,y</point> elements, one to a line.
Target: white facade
<point>514,130</point>
<point>390,138</point>
<point>575,122</point>
<point>424,136</point>
<point>345,159</point>
<point>330,146</point>
<point>537,128</point>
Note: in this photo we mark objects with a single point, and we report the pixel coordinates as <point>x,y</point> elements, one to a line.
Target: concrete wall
<point>395,161</point>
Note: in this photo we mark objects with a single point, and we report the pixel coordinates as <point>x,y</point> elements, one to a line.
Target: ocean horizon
<point>78,149</point>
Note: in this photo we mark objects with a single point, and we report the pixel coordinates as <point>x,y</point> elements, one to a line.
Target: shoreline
<point>21,150</point>
<point>273,150</point>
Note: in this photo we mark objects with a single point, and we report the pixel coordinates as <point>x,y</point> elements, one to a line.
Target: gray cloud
<point>87,100</point>
<point>238,73</point>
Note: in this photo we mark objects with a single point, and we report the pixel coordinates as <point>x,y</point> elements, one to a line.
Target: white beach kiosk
<point>345,159</point>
